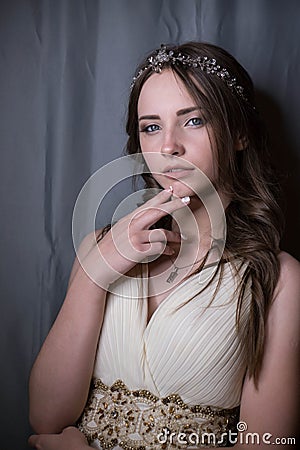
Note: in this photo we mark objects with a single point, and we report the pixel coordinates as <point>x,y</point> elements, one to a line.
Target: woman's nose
<point>171,145</point>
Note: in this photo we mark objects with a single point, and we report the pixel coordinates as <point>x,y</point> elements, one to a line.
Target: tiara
<point>208,65</point>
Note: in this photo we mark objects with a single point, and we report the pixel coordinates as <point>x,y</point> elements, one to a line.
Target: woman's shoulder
<point>286,258</point>
<point>287,292</point>
<point>289,271</point>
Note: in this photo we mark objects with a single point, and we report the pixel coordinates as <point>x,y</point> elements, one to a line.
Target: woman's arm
<point>274,407</point>
<point>60,377</point>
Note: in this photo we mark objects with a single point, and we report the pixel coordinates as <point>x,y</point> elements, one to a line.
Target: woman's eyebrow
<point>180,112</point>
<point>149,117</point>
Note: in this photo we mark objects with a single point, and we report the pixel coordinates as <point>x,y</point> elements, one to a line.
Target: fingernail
<point>186,200</point>
<point>170,189</point>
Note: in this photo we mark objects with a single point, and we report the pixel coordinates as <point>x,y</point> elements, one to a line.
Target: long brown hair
<point>254,219</point>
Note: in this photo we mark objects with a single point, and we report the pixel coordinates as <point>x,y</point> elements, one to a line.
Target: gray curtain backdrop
<point>65,71</point>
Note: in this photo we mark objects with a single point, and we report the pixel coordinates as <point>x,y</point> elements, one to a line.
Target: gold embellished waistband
<point>138,419</point>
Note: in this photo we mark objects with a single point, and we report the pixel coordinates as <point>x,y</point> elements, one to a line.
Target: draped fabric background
<point>65,71</point>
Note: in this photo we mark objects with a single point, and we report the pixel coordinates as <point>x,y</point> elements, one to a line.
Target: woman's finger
<point>152,214</point>
<point>172,236</point>
<point>157,248</point>
<point>70,439</point>
<point>163,196</point>
<point>33,440</point>
<point>160,235</point>
<point>44,441</point>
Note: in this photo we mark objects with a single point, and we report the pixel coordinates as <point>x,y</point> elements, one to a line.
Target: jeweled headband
<point>209,65</point>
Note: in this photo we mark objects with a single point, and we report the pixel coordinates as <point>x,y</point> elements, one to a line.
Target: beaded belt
<point>116,416</point>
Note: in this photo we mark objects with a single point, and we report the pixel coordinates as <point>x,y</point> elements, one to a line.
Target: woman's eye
<point>195,121</point>
<point>149,128</point>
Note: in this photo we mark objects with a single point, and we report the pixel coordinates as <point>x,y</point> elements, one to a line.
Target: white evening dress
<point>182,372</point>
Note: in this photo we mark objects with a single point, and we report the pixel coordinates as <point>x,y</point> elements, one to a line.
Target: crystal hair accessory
<point>208,65</point>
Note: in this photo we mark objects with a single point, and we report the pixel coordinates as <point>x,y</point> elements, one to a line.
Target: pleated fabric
<point>190,346</point>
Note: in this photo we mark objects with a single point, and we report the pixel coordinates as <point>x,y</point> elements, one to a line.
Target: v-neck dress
<point>190,349</point>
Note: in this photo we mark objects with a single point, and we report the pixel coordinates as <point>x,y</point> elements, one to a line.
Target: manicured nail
<point>186,200</point>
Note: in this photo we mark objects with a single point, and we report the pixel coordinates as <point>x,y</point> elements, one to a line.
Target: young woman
<point>189,323</point>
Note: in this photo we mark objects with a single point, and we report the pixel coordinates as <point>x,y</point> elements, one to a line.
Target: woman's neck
<point>200,227</point>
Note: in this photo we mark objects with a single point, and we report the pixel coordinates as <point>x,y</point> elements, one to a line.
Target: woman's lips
<point>177,173</point>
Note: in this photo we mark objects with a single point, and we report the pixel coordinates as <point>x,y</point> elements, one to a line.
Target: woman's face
<point>173,135</point>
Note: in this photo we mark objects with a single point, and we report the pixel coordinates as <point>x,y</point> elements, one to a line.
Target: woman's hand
<point>130,241</point>
<point>70,439</point>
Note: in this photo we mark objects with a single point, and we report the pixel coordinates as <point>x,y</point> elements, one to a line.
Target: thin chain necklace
<point>174,273</point>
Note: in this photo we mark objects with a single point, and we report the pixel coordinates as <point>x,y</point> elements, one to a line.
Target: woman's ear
<point>241,143</point>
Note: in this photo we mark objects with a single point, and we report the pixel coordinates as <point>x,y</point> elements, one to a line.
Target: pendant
<point>172,275</point>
